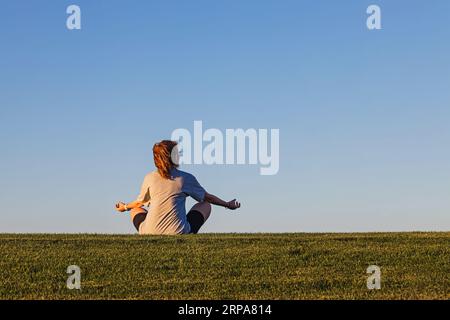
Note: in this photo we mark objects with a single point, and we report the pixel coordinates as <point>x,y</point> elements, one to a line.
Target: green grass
<point>226,266</point>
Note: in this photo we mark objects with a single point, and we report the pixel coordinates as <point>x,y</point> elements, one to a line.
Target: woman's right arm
<point>232,205</point>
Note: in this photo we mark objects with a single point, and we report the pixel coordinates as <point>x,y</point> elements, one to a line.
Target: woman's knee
<point>207,207</point>
<point>138,216</point>
<point>137,210</point>
<point>204,208</point>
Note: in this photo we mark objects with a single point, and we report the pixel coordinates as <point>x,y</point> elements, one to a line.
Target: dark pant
<point>196,220</point>
<point>194,217</point>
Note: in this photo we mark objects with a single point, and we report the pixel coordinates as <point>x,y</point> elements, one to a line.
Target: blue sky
<point>363,115</point>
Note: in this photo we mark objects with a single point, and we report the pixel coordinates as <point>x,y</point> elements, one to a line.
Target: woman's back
<point>167,198</point>
<point>165,190</point>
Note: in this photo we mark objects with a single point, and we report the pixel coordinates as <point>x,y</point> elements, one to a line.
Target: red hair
<point>162,155</point>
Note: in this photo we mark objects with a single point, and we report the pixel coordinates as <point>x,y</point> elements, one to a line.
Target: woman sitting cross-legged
<point>166,190</point>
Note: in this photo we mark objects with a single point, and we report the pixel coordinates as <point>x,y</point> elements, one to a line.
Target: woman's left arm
<point>122,207</point>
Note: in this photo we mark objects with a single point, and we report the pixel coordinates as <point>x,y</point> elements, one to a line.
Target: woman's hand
<point>120,207</point>
<point>233,204</point>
